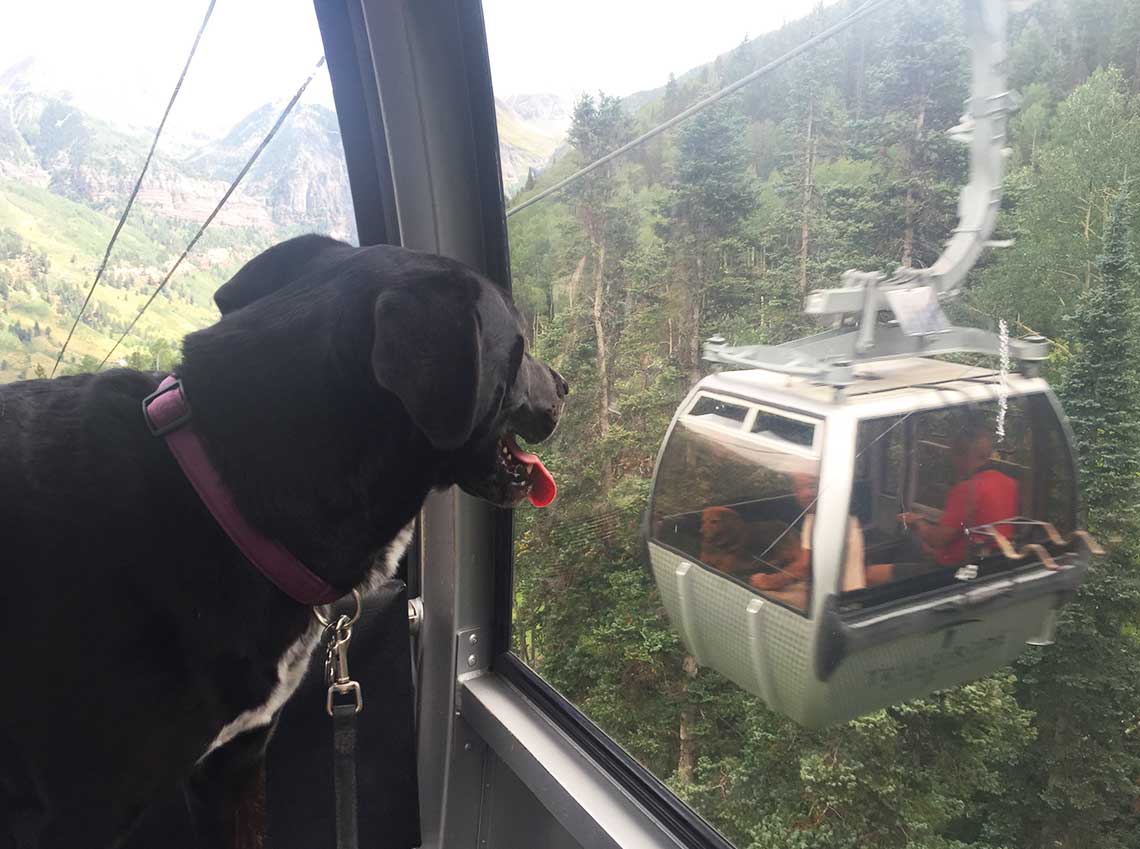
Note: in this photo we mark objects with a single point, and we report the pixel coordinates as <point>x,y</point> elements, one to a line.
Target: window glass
<point>975,480</point>
<point>720,226</point>
<point>933,460</point>
<point>79,105</point>
<point>719,411</point>
<point>737,506</point>
<point>795,431</point>
<point>893,460</point>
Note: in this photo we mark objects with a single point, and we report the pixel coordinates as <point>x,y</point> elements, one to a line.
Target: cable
<point>135,191</point>
<point>201,230</point>
<point>866,9</point>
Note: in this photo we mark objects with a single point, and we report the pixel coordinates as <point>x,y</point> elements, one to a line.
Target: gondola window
<point>946,487</point>
<point>742,506</point>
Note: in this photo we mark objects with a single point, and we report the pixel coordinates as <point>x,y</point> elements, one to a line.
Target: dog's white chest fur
<point>290,670</point>
<point>293,663</point>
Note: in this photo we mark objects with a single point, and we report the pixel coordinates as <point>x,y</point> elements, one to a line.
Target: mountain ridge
<point>65,174</point>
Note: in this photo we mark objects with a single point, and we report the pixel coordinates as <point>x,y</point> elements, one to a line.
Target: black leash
<point>344,774</point>
<point>343,704</point>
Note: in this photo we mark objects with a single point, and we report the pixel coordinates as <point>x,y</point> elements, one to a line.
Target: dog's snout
<point>561,387</point>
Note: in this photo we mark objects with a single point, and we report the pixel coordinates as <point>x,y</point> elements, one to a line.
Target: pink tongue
<point>542,486</point>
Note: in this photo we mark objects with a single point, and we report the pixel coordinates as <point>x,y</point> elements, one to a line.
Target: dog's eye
<point>515,361</point>
<point>497,401</point>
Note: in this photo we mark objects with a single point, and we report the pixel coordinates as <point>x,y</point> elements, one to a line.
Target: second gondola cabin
<point>837,550</point>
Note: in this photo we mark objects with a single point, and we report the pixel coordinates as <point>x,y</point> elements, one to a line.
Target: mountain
<point>549,113</point>
<point>66,171</point>
<point>47,139</point>
<point>299,181</point>
<point>44,140</point>
<point>531,130</point>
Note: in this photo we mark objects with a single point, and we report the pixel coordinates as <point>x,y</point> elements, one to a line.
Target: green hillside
<point>50,248</point>
<point>67,175</point>
<point>522,146</point>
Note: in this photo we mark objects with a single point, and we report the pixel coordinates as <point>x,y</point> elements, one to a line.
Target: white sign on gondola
<point>918,311</point>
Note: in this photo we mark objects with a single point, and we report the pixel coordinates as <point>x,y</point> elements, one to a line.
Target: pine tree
<point>1101,388</point>
<point>597,128</point>
<point>671,102</point>
<point>1079,778</point>
<point>712,199</point>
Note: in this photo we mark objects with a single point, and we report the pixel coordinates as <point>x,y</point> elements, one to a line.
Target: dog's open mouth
<point>525,473</point>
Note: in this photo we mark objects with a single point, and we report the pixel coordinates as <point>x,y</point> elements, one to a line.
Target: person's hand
<point>911,518</point>
<point>765,581</point>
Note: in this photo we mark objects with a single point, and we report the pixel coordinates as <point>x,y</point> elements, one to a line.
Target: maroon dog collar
<point>167,414</point>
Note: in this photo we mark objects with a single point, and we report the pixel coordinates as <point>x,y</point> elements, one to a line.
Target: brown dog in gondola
<point>729,544</point>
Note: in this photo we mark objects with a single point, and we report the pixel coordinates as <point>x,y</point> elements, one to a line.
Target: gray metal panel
<point>417,52</point>
<point>513,816</point>
<point>902,385</point>
<point>587,802</point>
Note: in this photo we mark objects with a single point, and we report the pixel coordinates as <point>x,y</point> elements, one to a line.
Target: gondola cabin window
<point>739,499</point>
<point>82,90</point>
<point>948,489</point>
<point>720,411</point>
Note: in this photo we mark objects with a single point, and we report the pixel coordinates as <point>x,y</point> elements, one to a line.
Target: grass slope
<point>74,237</point>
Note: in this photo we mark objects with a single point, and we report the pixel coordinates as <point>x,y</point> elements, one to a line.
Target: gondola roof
<point>922,380</point>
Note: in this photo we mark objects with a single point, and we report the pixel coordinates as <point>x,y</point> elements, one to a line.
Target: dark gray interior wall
<point>513,818</point>
<point>299,792</point>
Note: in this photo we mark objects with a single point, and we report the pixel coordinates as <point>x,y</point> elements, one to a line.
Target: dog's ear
<point>426,351</point>
<point>274,269</point>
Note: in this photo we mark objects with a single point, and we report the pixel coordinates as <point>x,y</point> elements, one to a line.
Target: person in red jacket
<point>983,495</point>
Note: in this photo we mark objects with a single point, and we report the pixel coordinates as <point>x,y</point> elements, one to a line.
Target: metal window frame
<point>411,79</point>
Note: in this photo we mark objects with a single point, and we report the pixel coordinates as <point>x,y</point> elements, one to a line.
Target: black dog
<point>339,387</point>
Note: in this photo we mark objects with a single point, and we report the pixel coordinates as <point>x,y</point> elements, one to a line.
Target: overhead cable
<point>836,28</point>
<point>134,192</point>
<point>233,187</point>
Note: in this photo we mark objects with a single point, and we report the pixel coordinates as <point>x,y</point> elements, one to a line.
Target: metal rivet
<point>473,639</point>
<point>471,660</point>
<point>467,747</point>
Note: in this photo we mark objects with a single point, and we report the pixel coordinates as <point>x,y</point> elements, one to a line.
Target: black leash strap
<point>344,774</point>
<point>343,713</point>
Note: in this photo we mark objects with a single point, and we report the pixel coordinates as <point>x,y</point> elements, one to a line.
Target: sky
<point>619,46</point>
<point>120,58</point>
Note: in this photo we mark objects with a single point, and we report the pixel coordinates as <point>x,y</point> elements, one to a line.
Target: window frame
<point>745,429</point>
<point>742,426</point>
<point>426,92</point>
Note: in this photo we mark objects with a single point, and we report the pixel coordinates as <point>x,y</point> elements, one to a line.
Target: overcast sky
<point>122,57</point>
<point>619,46</point>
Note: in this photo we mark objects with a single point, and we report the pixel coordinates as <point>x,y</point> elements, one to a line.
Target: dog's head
<point>445,341</point>
<point>451,349</point>
<point>723,529</point>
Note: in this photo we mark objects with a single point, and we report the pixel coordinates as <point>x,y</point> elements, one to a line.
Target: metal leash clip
<point>336,659</point>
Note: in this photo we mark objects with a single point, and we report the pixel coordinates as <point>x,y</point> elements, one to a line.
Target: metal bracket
<point>415,615</point>
<point>915,295</point>
<point>472,653</point>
